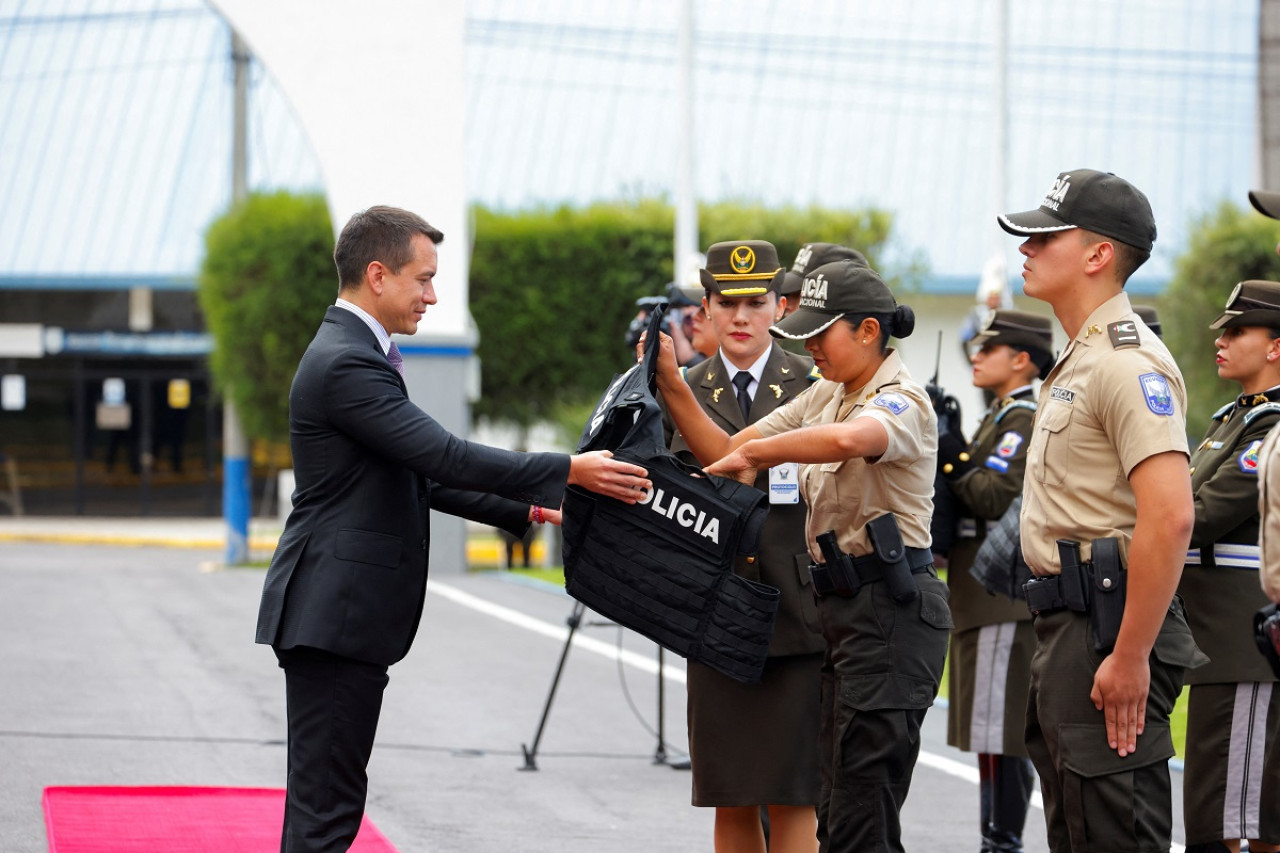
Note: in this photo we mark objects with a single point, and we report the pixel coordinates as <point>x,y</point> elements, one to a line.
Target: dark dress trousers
<point>344,593</point>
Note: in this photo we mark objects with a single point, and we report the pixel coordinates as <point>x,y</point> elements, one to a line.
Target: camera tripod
<point>574,621</point>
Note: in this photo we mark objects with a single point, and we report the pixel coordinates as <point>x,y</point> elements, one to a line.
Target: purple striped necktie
<point>396,359</point>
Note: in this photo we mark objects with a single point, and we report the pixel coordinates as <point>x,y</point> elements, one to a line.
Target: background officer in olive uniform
<point>757,744</point>
<point>1107,461</point>
<point>992,643</point>
<point>1231,787</point>
<point>810,257</point>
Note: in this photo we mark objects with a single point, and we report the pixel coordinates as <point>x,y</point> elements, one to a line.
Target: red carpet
<point>175,820</point>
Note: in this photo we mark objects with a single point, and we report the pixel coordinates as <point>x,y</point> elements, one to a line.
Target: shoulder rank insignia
<point>1224,411</point>
<point>814,374</point>
<point>1261,412</point>
<point>1123,333</point>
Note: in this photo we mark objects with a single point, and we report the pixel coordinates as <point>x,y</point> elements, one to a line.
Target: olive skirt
<point>756,744</point>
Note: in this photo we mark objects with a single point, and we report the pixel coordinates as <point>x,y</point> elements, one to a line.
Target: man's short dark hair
<point>383,234</point>
<point>1128,258</point>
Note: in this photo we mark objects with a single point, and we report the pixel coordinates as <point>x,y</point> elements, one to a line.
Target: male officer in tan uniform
<point>1107,461</point>
<point>992,644</point>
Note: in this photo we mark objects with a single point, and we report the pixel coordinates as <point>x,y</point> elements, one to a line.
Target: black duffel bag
<point>664,568</point>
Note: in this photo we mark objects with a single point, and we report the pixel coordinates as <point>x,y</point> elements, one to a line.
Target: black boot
<point>1012,780</point>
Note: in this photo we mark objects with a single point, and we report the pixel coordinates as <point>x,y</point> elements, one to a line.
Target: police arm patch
<point>1009,444</point>
<point>1248,460</point>
<point>892,401</point>
<point>1156,390</point>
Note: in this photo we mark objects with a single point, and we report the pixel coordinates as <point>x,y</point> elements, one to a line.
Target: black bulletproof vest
<point>664,568</point>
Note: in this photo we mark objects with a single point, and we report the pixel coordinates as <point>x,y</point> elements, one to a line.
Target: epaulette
<point>1258,411</point>
<point>814,373</point>
<point>1123,334</point>
<point>1016,404</point>
<point>1224,411</point>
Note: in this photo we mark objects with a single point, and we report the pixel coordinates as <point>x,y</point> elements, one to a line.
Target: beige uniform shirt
<point>1114,398</point>
<point>1269,510</point>
<point>843,496</point>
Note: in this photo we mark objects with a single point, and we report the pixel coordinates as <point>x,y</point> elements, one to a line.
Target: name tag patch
<point>784,486</point>
<point>895,403</point>
<point>1249,459</point>
<point>1066,395</point>
<point>1156,389</point>
<point>1009,444</point>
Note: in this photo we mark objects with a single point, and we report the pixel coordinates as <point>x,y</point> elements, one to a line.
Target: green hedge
<point>1226,246</point>
<point>553,290</point>
<point>265,281</point>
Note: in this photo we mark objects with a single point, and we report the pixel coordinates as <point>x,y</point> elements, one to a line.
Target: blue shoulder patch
<point>892,401</point>
<point>1156,389</point>
<point>1248,460</point>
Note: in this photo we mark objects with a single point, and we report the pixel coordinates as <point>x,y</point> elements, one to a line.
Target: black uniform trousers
<point>1094,800</point>
<point>333,708</point>
<point>882,669</point>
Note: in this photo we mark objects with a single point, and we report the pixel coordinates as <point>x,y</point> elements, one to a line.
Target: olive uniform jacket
<point>350,572</point>
<point>1220,581</point>
<point>783,560</point>
<point>999,455</point>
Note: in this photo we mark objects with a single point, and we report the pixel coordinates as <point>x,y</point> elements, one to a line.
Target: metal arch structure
<point>377,86</point>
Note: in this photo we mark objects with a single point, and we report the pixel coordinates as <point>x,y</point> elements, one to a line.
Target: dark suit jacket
<point>783,560</point>
<point>350,572</point>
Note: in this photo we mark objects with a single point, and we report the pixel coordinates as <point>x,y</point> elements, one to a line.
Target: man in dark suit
<point>344,594</point>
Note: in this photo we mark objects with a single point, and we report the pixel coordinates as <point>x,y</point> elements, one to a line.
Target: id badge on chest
<point>784,483</point>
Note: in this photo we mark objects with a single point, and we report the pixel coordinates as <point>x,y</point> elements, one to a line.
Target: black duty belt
<point>869,569</point>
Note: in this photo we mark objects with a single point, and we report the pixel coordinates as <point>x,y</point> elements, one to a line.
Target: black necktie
<point>741,381</point>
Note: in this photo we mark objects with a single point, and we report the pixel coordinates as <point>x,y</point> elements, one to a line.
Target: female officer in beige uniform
<point>866,440</point>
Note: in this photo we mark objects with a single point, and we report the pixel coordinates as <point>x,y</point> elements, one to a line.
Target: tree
<point>552,290</point>
<point>1226,246</point>
<point>265,281</point>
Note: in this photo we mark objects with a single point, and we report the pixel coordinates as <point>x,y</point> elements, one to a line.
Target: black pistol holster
<point>1096,588</point>
<point>1107,591</point>
<point>889,561</point>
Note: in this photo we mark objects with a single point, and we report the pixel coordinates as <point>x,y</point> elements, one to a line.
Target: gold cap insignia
<point>743,259</point>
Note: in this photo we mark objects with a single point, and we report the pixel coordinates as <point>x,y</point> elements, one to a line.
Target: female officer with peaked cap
<point>866,440</point>
<point>1233,715</point>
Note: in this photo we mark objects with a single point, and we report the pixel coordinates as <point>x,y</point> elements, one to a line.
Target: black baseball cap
<point>832,291</point>
<point>813,255</point>
<point>1252,303</point>
<point>1266,203</point>
<point>742,268</point>
<point>1022,330</point>
<point>1095,201</point>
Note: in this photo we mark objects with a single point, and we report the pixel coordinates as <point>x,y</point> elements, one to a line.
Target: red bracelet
<point>537,514</point>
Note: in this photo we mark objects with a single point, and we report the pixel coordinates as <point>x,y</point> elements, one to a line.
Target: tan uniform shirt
<point>843,496</point>
<point>1269,510</point>
<point>1114,398</point>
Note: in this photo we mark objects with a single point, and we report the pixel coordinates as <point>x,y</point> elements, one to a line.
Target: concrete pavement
<point>134,664</point>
